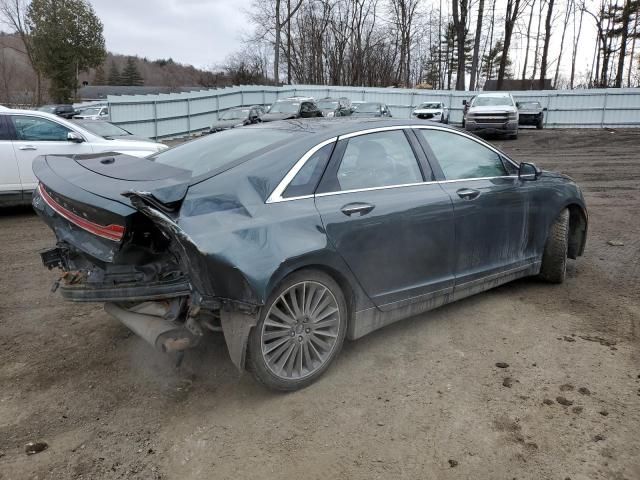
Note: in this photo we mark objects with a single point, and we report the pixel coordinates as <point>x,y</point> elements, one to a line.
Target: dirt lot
<point>420,399</point>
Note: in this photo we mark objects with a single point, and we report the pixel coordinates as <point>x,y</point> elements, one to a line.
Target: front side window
<point>461,157</point>
<point>35,129</point>
<point>378,160</point>
<point>285,107</point>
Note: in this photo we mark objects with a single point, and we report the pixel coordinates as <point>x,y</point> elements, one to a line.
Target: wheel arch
<point>577,230</point>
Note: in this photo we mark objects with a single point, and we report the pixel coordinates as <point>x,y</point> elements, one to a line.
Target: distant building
<point>512,84</point>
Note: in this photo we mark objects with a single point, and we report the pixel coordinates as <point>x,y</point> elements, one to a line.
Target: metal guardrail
<point>181,114</point>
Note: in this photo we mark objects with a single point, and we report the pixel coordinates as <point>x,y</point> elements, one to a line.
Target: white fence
<point>179,114</point>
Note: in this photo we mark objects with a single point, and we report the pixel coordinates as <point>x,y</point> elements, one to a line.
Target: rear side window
<point>221,150</point>
<point>307,179</point>
<point>461,157</point>
<point>5,134</point>
<point>378,160</point>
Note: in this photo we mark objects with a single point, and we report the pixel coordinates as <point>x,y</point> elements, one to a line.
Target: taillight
<point>110,232</point>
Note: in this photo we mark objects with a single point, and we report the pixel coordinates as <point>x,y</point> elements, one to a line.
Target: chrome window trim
<point>369,189</point>
<point>276,195</point>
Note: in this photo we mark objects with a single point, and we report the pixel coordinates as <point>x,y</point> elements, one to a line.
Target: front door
<point>491,207</point>
<point>393,229</point>
<point>40,136</point>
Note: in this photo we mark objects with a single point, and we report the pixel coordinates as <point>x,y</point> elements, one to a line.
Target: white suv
<point>26,134</point>
<point>494,112</point>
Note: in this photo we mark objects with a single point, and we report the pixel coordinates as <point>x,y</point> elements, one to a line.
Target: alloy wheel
<point>300,330</point>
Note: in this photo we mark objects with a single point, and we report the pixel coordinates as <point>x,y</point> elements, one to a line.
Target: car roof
<point>320,129</point>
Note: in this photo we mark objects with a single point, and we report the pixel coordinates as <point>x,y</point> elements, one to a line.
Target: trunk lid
<point>82,199</point>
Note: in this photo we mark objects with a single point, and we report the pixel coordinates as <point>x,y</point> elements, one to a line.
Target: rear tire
<point>554,258</point>
<point>300,331</point>
<point>540,123</point>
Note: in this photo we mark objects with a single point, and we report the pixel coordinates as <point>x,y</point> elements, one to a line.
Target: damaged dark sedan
<point>290,236</point>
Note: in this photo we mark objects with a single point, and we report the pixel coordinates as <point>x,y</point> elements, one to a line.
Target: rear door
<point>491,206</point>
<point>390,222</point>
<point>35,136</point>
<point>10,183</point>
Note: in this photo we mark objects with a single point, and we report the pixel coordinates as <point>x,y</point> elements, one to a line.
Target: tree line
<point>439,44</point>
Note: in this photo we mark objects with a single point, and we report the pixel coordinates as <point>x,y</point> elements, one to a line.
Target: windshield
<point>533,105</point>
<point>492,102</point>
<point>217,151</point>
<point>285,107</point>
<point>235,114</point>
<point>328,104</point>
<point>103,129</point>
<point>47,109</point>
<point>430,105</point>
<point>367,107</point>
<point>90,111</point>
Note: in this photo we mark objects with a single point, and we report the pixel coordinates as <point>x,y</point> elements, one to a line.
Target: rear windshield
<point>222,149</point>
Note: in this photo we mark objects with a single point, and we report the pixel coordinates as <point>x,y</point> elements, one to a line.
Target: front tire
<point>300,331</point>
<point>554,258</point>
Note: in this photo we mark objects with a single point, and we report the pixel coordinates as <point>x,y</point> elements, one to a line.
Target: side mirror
<point>544,109</point>
<point>517,104</point>
<point>464,102</point>
<point>74,137</point>
<point>528,171</point>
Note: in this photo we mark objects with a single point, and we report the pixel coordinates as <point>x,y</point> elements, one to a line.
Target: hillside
<point>18,80</point>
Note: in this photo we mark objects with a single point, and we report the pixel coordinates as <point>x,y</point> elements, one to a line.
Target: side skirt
<point>367,321</point>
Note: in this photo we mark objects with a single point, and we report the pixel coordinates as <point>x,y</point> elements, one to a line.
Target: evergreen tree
<point>66,39</point>
<point>491,62</point>
<point>114,75</point>
<point>99,78</point>
<point>130,75</point>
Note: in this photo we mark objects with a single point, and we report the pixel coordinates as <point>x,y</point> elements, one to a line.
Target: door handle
<point>361,208</point>
<point>468,193</point>
<point>27,147</point>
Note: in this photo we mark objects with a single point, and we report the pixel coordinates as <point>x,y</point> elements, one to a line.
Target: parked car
<point>293,107</point>
<point>370,109</point>
<point>26,134</point>
<point>335,107</point>
<point>289,236</point>
<point>237,117</point>
<point>493,112</point>
<point>64,111</point>
<point>435,111</point>
<point>531,113</point>
<point>93,113</point>
<point>108,131</point>
<point>465,108</point>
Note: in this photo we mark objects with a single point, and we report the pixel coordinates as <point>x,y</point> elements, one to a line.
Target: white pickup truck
<point>494,112</point>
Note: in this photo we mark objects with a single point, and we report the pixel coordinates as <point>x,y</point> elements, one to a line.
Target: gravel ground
<point>420,399</point>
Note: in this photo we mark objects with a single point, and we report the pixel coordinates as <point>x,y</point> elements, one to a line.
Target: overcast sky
<point>203,32</point>
<point>197,32</point>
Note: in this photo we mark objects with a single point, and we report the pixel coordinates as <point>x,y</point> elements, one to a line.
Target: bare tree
<point>633,49</point>
<point>545,48</point>
<point>404,12</point>
<point>576,41</point>
<point>570,6</point>
<point>514,10</point>
<point>14,14</point>
<point>460,12</point>
<point>476,47</point>
<point>526,51</point>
